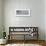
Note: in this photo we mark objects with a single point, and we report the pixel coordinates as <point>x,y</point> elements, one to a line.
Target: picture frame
<point>22,12</point>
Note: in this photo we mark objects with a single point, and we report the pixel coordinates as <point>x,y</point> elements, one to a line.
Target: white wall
<point>37,17</point>
<point>45,19</point>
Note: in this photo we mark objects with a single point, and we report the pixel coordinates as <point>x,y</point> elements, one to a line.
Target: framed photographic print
<point>22,12</point>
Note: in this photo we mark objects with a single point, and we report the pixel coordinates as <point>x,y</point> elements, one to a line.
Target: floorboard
<point>25,43</point>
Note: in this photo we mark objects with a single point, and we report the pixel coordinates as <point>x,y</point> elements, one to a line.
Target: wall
<point>0,18</point>
<point>37,17</point>
<point>45,19</point>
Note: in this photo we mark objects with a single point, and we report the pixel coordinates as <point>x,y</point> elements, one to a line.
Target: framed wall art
<point>22,12</point>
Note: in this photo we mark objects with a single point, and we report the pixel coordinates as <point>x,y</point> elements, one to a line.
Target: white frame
<point>23,9</point>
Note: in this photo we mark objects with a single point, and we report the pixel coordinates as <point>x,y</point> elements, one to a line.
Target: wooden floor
<point>12,42</point>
